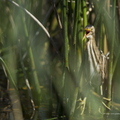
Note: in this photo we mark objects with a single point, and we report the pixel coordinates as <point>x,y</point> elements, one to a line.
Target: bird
<point>97,59</point>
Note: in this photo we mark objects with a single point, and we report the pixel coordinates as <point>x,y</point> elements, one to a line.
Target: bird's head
<point>90,32</point>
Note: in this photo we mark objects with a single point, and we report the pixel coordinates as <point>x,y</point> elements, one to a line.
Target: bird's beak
<point>87,32</point>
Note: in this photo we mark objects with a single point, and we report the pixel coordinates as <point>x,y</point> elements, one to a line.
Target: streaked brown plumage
<point>98,61</point>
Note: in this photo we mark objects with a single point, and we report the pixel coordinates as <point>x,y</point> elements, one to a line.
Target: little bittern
<point>98,61</point>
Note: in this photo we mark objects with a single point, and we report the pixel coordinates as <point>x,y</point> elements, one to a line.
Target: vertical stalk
<point>65,31</point>
<point>111,54</point>
<point>14,95</point>
<point>81,34</point>
<point>75,30</point>
<point>35,81</point>
<point>76,18</point>
<point>35,77</point>
<point>74,103</point>
<point>84,10</point>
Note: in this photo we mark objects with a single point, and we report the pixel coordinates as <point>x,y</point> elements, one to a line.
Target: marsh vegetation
<point>44,67</point>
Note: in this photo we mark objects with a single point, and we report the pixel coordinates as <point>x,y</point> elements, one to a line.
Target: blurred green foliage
<point>49,76</point>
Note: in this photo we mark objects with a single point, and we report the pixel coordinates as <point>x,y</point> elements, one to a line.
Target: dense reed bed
<point>44,64</point>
